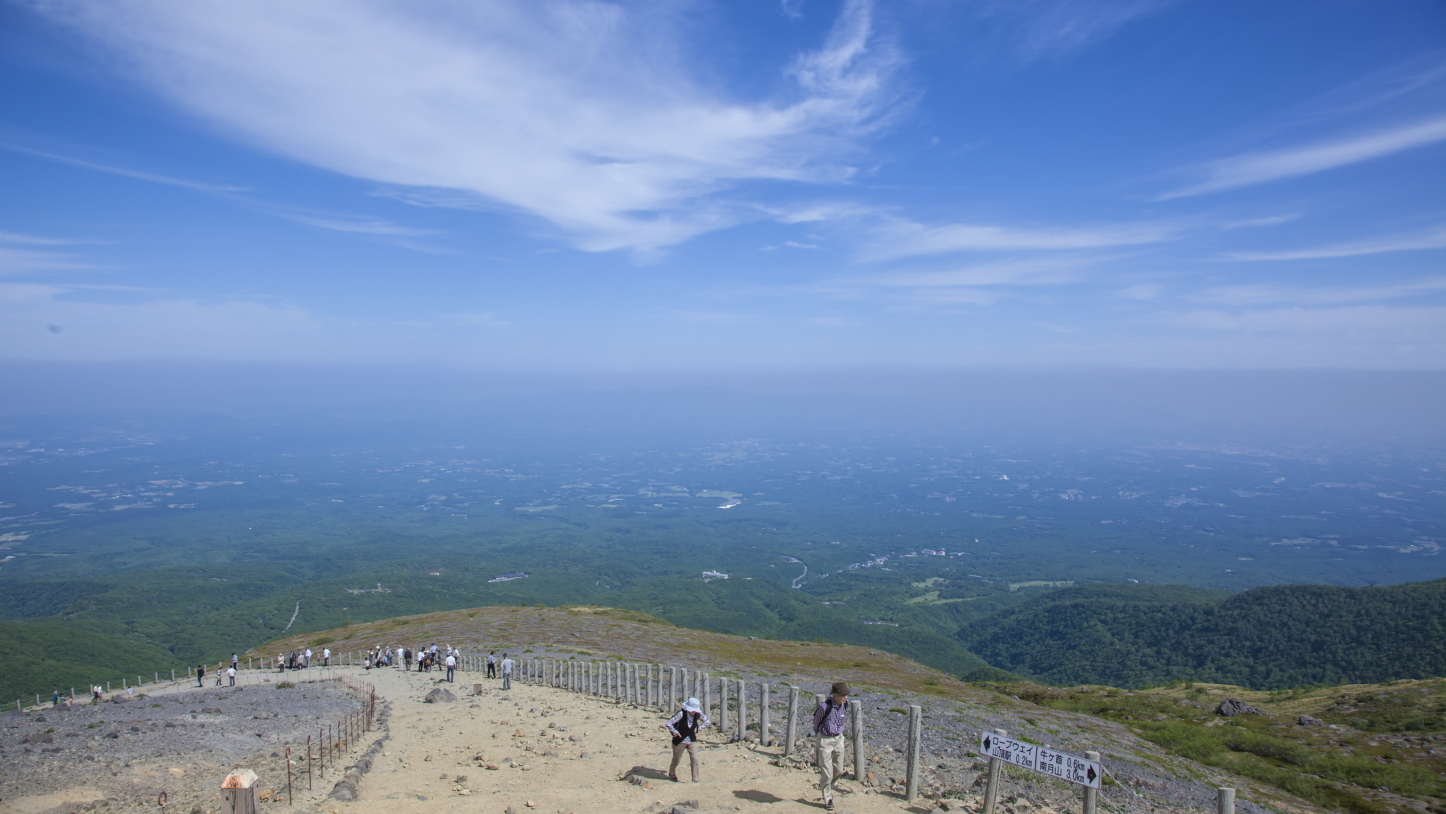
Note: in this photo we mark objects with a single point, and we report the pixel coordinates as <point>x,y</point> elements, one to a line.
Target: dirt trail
<point>558,751</point>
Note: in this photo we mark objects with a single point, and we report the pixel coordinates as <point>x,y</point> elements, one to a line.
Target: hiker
<point>200,675</point>
<point>95,694</point>
<point>506,672</point>
<point>307,662</point>
<point>235,661</point>
<point>492,664</point>
<point>231,676</point>
<point>326,657</point>
<point>685,725</point>
<point>829,721</point>
<point>451,668</point>
<point>280,663</point>
<point>407,660</point>
<point>55,698</point>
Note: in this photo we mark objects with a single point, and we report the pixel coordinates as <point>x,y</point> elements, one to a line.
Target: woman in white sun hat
<point>685,727</point>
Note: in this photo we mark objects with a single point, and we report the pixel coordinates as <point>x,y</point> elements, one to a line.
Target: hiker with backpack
<point>830,720</point>
<point>685,727</point>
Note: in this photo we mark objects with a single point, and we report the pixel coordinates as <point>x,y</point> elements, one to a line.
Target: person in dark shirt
<point>685,726</point>
<point>830,720</point>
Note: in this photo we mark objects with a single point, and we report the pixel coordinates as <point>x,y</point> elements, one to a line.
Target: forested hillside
<point>1273,637</point>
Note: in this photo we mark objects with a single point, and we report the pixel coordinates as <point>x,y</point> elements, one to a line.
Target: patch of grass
<point>284,685</point>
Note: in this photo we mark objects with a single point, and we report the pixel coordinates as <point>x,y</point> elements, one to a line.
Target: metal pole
<point>916,714</point>
<point>763,736</point>
<point>288,775</point>
<point>991,790</point>
<point>1225,801</point>
<point>791,732</point>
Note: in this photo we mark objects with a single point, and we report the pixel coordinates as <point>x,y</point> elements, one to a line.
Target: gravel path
<point>121,754</point>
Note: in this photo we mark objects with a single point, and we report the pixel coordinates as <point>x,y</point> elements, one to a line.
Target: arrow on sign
<point>1090,773</point>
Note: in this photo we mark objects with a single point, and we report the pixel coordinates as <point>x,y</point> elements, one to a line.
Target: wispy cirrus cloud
<point>363,226</point>
<point>1269,294</point>
<point>899,238</point>
<point>125,172</point>
<point>582,114</point>
<point>1059,26</point>
<point>1249,169</point>
<point>1434,238</point>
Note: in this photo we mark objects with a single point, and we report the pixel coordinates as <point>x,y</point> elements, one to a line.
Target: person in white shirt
<point>326,657</point>
<point>506,672</point>
<point>231,676</point>
<point>307,663</point>
<point>451,663</point>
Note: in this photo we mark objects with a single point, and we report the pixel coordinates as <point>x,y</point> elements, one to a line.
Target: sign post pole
<point>991,788</point>
<point>1091,794</point>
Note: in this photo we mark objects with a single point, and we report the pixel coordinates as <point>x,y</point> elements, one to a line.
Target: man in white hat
<point>685,727</point>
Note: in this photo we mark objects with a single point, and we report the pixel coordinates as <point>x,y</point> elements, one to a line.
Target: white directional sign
<point>1045,761</point>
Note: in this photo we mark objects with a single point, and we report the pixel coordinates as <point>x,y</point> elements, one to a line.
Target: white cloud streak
<point>139,175</point>
<point>902,238</point>
<point>1258,168</point>
<point>1245,295</point>
<point>580,113</point>
<point>1060,26</point>
<point>1430,239</point>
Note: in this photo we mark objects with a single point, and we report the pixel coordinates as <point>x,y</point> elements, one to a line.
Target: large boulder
<point>1230,707</point>
<point>438,695</point>
<point>1306,720</point>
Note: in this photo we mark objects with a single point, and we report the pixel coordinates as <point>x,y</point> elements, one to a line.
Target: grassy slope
<point>1373,755</point>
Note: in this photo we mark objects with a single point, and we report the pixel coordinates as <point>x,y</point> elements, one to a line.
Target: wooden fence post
<point>765,737</point>
<point>1091,796</point>
<point>916,714</point>
<point>991,789</point>
<point>791,728</point>
<point>238,793</point>
<point>1225,801</point>
<point>742,710</point>
<point>860,753</point>
<point>707,698</point>
<point>723,706</point>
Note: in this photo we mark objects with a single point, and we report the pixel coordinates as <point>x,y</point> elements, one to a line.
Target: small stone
<point>510,810</point>
<point>1306,720</point>
<point>178,772</point>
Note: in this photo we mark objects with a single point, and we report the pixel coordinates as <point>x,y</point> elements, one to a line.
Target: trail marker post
<point>238,793</point>
<point>991,787</point>
<point>1225,801</point>
<point>1091,794</point>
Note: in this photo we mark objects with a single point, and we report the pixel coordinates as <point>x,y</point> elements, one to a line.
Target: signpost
<point>1062,765</point>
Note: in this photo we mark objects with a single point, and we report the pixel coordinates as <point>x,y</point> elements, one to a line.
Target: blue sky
<point>669,185</point>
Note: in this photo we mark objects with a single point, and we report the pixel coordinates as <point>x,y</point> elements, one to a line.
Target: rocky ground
<point>121,754</point>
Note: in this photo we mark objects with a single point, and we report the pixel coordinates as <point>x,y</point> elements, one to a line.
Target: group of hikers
<point>830,719</point>
<point>296,659</point>
<point>434,657</point>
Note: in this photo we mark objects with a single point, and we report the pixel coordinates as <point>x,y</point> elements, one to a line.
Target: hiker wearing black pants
<point>200,675</point>
<point>492,664</point>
